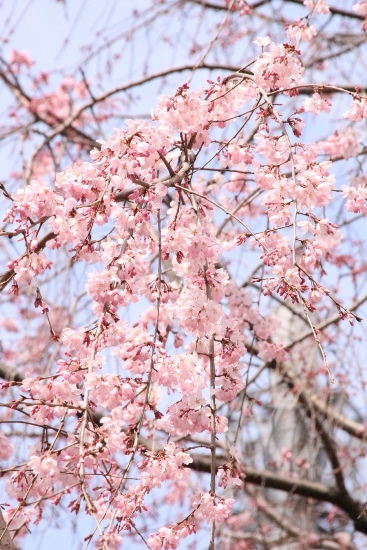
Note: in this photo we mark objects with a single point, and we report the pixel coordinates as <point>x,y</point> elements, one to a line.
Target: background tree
<point>182,354</point>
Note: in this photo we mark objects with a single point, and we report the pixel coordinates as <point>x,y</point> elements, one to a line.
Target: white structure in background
<point>289,437</point>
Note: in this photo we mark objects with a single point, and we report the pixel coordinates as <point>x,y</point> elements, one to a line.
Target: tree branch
<point>309,489</point>
<point>352,427</point>
<point>333,10</point>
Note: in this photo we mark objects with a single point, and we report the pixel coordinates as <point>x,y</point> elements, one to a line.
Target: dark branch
<point>309,489</point>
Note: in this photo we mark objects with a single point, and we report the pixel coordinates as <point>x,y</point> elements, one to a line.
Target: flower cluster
<point>153,232</point>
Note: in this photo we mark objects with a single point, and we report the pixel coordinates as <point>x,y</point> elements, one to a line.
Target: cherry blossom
<point>178,248</point>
